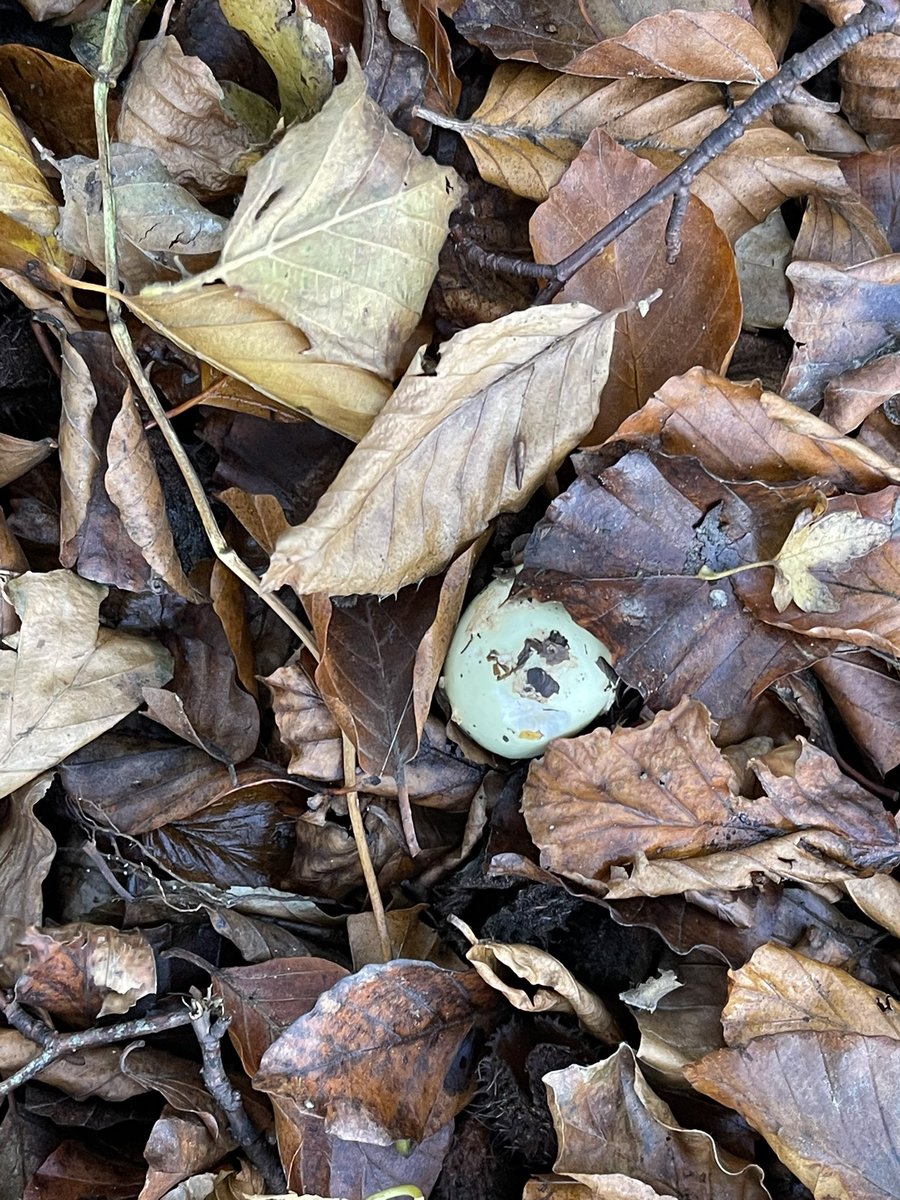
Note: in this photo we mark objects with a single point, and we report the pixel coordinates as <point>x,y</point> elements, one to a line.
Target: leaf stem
<point>362,847</point>
<point>706,573</point>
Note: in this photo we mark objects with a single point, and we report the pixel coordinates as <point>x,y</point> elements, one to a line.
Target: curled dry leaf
<point>780,991</point>
<point>874,176</point>
<point>92,1073</point>
<point>417,23</point>
<point>158,222</point>
<point>822,1100</point>
<point>24,195</point>
<point>26,852</point>
<point>739,431</point>
<point>243,338</point>
<point>841,316</point>
<point>173,104</point>
<point>18,456</point>
<point>866,692</point>
<point>700,45</point>
<point>296,47</point>
<point>68,680</point>
<point>851,396</point>
<point>609,1121</point>
<point>81,972</point>
<point>550,987</point>
<point>412,1022</point>
<point>339,230</point>
<point>868,74</point>
<point>134,488</point>
<point>603,804</point>
<point>54,97</point>
<point>697,317</point>
<point>451,450</point>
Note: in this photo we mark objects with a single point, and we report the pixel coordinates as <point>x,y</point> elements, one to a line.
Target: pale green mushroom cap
<point>521,672</point>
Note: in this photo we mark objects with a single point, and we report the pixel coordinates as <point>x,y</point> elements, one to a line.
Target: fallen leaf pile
<point>271,923</point>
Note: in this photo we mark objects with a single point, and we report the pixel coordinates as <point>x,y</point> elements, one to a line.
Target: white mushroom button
<point>521,672</point>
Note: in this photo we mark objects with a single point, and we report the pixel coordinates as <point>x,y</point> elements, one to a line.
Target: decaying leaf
<point>68,679</point>
<point>621,809</point>
<point>26,852</point>
<point>412,1022</point>
<point>817,542</point>
<point>451,450</point>
<point>609,1121</point>
<point>173,104</point>
<point>663,341</point>
<point>339,229</point>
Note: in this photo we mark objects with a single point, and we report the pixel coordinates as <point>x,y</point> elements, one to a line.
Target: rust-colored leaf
<point>696,319</point>
<point>412,1023</point>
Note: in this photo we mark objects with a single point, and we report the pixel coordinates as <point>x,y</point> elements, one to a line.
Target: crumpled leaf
<point>506,404</point>
<point>608,1121</point>
<point>295,46</point>
<point>841,316</point>
<point>68,680</point>
<point>550,986</point>
<point>696,319</point>
<point>81,972</point>
<point>680,44</point>
<point>339,230</point>
<point>830,540</point>
<point>257,346</point>
<point>24,195</point>
<point>173,104</point>
<point>867,73</point>
<point>26,852</point>
<point>412,1022</point>
<point>17,455</point>
<point>157,220</point>
<point>417,23</point>
<point>604,806</point>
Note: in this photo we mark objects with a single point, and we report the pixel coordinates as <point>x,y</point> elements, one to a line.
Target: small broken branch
<point>877,16</point>
<point>58,1045</point>
<point>210,1026</point>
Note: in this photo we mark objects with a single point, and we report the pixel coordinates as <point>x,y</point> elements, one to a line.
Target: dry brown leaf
<point>608,1121</point>
<point>866,692</point>
<point>506,404</point>
<point>413,1022</point>
<point>339,230</point>
<point>827,235</point>
<point>550,987</point>
<point>259,347</point>
<point>851,396</point>
<point>92,1073</point>
<point>780,991</point>
<point>823,1101</point>
<point>763,254</point>
<point>841,317</point>
<point>173,104</point>
<point>68,679</point>
<point>24,195</point>
<point>606,809</point>
<point>739,431</point>
<point>682,44</point>
<point>159,224</point>
<point>817,123</point>
<point>18,456</point>
<point>134,488</point>
<point>26,852</point>
<point>417,23</point>
<point>81,972</point>
<point>697,318</point>
<point>305,724</point>
<point>874,176</point>
<point>868,74</point>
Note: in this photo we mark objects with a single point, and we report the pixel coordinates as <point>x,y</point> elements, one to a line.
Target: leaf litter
<point>269,919</point>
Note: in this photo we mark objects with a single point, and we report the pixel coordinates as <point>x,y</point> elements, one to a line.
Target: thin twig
<point>877,16</point>
<point>362,847</point>
<point>57,1045</point>
<point>210,1026</point>
<point>119,330</point>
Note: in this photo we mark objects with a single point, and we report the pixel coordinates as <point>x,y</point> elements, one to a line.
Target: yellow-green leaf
<point>24,195</point>
<point>339,230</point>
<point>829,541</point>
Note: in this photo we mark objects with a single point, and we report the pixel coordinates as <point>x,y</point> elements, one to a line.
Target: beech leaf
<point>24,195</point>
<point>68,680</point>
<point>339,230</point>
<point>831,541</point>
<point>451,450</point>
